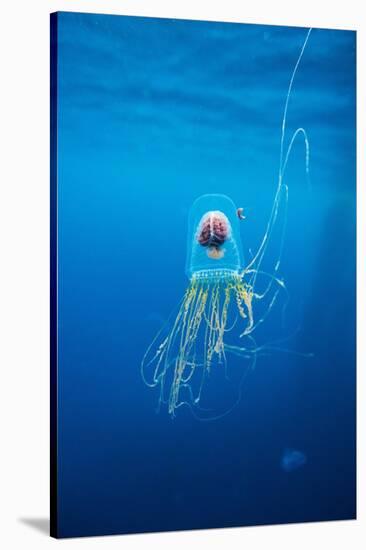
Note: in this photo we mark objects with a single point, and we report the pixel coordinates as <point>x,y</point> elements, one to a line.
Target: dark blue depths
<point>152,114</point>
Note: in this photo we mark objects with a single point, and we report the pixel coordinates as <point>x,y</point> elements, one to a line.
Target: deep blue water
<point>152,114</point>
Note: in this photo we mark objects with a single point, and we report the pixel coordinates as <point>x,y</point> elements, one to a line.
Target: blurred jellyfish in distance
<point>292,460</point>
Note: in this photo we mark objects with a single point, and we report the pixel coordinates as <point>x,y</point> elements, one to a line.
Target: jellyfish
<point>227,298</point>
<point>292,460</point>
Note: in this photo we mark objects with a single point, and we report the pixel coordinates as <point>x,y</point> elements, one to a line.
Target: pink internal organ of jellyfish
<point>213,232</point>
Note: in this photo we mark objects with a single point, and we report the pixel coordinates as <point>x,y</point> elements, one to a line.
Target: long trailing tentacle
<point>253,269</point>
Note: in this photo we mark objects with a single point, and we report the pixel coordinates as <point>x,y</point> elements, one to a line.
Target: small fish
<point>292,460</point>
<point>240,213</point>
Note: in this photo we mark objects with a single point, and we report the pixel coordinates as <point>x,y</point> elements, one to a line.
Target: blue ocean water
<point>152,114</point>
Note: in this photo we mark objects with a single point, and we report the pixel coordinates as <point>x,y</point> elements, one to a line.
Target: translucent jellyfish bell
<point>214,245</point>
